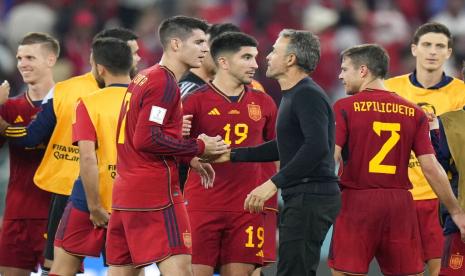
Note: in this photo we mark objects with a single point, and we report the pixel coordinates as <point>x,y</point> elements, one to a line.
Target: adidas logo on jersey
<point>234,112</point>
<point>18,119</point>
<point>214,111</point>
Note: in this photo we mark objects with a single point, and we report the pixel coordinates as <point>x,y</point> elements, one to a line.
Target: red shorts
<point>140,238</point>
<point>377,223</point>
<point>22,243</point>
<point>220,238</point>
<point>432,239</point>
<point>453,256</point>
<point>76,233</point>
<point>269,247</point>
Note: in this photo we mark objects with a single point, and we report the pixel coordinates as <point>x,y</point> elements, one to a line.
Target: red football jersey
<point>149,136</point>
<point>24,200</point>
<point>377,130</point>
<point>248,121</point>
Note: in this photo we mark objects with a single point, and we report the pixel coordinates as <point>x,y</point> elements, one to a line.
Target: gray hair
<point>305,46</point>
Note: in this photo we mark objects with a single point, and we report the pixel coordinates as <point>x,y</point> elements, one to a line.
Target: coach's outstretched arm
<point>438,180</point>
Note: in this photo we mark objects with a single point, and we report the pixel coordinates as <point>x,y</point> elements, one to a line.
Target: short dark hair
<point>120,33</point>
<point>46,40</point>
<point>231,42</point>
<point>305,46</point>
<point>373,56</point>
<point>432,27</point>
<point>113,53</point>
<point>216,29</point>
<point>179,26</point>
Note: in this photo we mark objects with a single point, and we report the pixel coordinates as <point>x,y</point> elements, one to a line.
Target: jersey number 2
<point>375,165</point>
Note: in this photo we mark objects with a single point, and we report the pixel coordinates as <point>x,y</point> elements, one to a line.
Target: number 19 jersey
<point>377,130</point>
<point>248,120</point>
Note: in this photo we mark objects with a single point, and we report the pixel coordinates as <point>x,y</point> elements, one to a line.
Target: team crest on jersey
<point>456,261</point>
<point>187,238</point>
<point>255,113</point>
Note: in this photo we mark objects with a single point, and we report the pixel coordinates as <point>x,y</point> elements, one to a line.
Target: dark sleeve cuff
<point>279,180</point>
<point>239,155</point>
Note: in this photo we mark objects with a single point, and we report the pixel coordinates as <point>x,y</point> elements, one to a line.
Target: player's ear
<point>51,60</point>
<point>175,44</point>
<point>413,49</point>
<point>291,59</point>
<point>100,69</point>
<point>222,62</point>
<point>363,71</point>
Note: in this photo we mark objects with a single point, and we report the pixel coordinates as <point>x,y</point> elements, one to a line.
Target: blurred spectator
<point>453,16</point>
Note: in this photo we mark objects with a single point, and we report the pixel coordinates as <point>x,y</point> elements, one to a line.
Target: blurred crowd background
<point>339,24</point>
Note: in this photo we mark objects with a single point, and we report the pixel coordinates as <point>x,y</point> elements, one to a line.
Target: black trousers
<point>304,223</point>
<point>57,207</point>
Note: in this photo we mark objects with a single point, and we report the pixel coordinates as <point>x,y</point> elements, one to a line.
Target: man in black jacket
<point>305,147</point>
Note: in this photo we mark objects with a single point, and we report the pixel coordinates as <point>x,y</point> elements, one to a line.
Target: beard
<point>100,81</point>
<point>133,72</point>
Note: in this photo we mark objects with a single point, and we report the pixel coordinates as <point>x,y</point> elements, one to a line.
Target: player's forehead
<point>30,49</point>
<point>197,35</point>
<point>434,38</point>
<point>346,62</point>
<point>248,50</point>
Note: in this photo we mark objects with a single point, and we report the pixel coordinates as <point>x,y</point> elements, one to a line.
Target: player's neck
<point>39,90</point>
<point>202,73</point>
<point>373,84</point>
<point>174,65</point>
<point>124,79</point>
<point>291,78</point>
<point>227,85</point>
<point>428,78</point>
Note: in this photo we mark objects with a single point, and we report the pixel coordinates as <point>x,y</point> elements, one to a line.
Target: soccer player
<point>149,222</point>
<point>25,220</point>
<point>305,139</point>
<point>223,234</point>
<point>197,77</point>
<point>448,143</point>
<point>375,132</point>
<point>450,151</point>
<point>82,229</point>
<point>60,166</point>
<point>437,93</point>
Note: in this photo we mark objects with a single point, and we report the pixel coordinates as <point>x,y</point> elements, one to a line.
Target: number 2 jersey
<point>377,130</point>
<point>243,121</point>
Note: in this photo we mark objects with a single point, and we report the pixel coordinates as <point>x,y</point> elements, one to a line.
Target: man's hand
<point>459,220</point>
<point>4,92</point>
<point>3,125</point>
<point>256,199</point>
<point>205,170</point>
<point>213,145</point>
<point>99,217</point>
<point>186,125</point>
<point>225,157</point>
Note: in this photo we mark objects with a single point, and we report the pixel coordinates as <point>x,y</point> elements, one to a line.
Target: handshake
<point>216,149</point>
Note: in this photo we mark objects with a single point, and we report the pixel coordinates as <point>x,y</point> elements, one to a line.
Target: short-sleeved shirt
<point>24,200</point>
<point>377,131</point>
<point>96,120</point>
<point>242,121</point>
<point>447,95</point>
